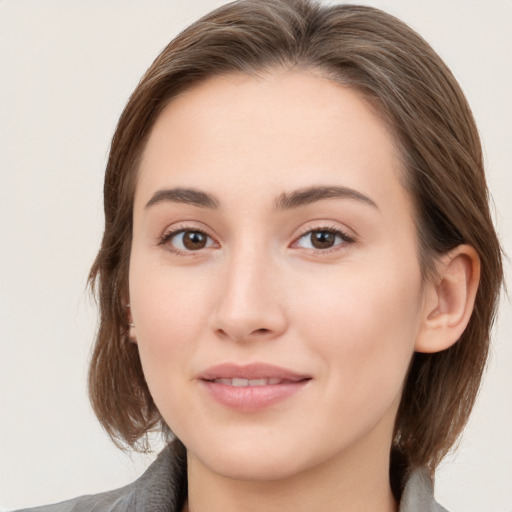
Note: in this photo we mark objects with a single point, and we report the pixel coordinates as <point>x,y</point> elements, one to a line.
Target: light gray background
<point>67,69</point>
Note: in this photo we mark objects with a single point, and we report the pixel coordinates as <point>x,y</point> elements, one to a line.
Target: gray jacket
<point>163,488</point>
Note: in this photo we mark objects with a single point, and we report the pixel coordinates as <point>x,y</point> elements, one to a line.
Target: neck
<point>351,483</point>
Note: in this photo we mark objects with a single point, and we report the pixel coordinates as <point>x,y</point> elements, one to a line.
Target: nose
<point>250,303</point>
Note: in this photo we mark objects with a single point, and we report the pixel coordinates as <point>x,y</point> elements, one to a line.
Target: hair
<point>371,52</point>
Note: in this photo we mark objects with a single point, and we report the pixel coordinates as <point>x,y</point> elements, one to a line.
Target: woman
<point>298,272</point>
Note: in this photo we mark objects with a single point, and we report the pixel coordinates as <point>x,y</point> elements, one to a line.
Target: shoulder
<point>111,501</point>
<point>159,489</point>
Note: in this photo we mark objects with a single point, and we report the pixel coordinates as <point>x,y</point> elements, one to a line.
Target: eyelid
<point>171,231</point>
<point>308,228</point>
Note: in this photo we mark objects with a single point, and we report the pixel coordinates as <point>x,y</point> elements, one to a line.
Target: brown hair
<point>376,54</point>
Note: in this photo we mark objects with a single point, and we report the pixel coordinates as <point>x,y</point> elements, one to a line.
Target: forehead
<point>269,133</point>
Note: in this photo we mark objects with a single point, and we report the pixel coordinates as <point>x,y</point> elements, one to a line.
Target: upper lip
<point>250,371</point>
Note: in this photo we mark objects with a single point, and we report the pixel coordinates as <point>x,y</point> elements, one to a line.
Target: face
<point>274,278</point>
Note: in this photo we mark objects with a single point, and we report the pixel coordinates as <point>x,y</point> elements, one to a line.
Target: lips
<point>251,387</point>
<point>253,371</point>
<point>242,383</point>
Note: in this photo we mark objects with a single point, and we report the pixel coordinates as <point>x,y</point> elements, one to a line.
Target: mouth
<point>243,383</point>
<point>253,374</point>
<point>252,387</point>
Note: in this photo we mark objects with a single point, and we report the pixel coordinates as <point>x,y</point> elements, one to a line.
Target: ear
<point>449,299</point>
<point>132,337</point>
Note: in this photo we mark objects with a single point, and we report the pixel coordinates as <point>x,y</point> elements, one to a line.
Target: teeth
<point>242,383</point>
<point>223,381</point>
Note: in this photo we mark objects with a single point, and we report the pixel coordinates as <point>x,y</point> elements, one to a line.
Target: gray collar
<point>418,493</point>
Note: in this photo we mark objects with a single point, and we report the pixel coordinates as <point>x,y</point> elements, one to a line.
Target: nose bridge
<point>248,302</point>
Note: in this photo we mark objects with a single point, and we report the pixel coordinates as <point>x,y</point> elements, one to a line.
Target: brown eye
<point>194,240</point>
<point>322,239</point>
<point>187,240</point>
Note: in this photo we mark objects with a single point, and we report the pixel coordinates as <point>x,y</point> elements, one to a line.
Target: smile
<point>242,383</point>
<point>251,388</point>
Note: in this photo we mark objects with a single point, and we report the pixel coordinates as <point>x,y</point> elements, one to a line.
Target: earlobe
<point>449,300</point>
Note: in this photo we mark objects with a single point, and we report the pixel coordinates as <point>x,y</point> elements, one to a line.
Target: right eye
<point>187,240</point>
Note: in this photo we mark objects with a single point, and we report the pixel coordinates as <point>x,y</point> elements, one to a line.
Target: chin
<point>254,469</point>
<point>250,461</point>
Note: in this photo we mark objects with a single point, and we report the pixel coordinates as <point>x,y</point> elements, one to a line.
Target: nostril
<point>261,331</point>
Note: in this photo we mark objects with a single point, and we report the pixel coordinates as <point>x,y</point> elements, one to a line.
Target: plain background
<point>67,69</point>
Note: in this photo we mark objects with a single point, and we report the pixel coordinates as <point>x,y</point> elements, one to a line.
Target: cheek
<point>364,323</point>
<point>169,313</point>
<point>169,318</point>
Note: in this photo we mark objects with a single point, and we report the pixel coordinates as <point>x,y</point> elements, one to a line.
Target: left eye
<point>189,240</point>
<point>321,239</point>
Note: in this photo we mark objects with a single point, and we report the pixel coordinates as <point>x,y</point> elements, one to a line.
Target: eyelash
<point>166,238</point>
<point>337,232</point>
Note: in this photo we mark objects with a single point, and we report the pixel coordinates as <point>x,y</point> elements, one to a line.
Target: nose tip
<point>241,333</point>
<point>257,323</point>
<point>249,306</point>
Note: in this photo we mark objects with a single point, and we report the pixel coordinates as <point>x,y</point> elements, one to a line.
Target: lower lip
<point>252,398</point>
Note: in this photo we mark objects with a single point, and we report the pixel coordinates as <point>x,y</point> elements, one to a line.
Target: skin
<point>349,316</point>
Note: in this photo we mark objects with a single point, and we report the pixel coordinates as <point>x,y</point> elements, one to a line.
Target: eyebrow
<point>286,201</point>
<point>190,196</point>
<point>305,196</point>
